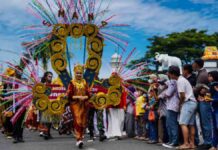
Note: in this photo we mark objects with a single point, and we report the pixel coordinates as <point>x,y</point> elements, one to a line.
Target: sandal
<point>183,147</point>
<point>212,148</point>
<point>192,147</point>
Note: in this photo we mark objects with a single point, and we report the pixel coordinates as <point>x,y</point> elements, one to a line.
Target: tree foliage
<point>187,45</point>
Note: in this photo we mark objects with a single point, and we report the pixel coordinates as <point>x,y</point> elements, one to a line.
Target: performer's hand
<point>84,97</point>
<point>80,97</point>
<point>77,97</point>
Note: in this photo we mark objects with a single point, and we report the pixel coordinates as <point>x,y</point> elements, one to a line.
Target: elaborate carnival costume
<point>96,88</point>
<point>7,115</point>
<point>45,117</point>
<point>78,95</point>
<point>16,119</point>
<point>1,107</point>
<point>116,116</point>
<point>31,120</point>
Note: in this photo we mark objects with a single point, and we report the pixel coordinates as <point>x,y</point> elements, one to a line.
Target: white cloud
<point>14,4</point>
<point>149,18</point>
<point>154,18</point>
<point>203,1</point>
<point>13,17</point>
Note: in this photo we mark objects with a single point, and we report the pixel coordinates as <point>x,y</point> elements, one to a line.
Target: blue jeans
<point>164,127</point>
<point>140,125</point>
<point>153,129</point>
<point>197,140</point>
<point>215,128</point>
<point>172,126</point>
<point>205,114</point>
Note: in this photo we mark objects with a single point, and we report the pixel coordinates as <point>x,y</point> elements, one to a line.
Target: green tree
<point>187,45</point>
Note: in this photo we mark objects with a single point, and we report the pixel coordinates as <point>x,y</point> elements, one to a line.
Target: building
<point>210,58</point>
<point>115,62</point>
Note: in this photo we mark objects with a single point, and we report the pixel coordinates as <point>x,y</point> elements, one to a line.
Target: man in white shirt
<point>188,106</point>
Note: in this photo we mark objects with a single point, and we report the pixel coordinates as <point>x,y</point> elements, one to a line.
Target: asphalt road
<point>66,142</point>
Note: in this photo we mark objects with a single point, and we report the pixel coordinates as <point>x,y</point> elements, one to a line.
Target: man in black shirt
<point>187,73</point>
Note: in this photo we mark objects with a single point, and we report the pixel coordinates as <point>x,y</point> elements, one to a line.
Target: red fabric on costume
<point>122,104</point>
<point>98,88</point>
<point>79,108</point>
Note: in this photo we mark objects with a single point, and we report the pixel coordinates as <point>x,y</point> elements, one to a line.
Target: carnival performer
<point>44,118</point>
<point>1,107</point>
<point>17,122</point>
<point>78,95</point>
<point>31,120</point>
<point>7,125</point>
<point>99,114</point>
<point>66,121</point>
<point>116,116</point>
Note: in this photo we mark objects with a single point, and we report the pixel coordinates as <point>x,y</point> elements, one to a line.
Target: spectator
<point>140,111</point>
<point>187,72</point>
<point>130,112</point>
<point>198,66</point>
<point>172,99</point>
<point>213,79</point>
<point>188,106</point>
<point>162,110</point>
<point>152,108</point>
<point>204,107</point>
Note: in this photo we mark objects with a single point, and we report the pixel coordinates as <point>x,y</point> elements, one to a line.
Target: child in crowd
<point>203,94</point>
<point>152,108</point>
<point>140,111</point>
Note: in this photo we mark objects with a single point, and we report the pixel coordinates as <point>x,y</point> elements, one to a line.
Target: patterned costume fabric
<point>100,121</point>
<point>99,113</point>
<point>66,122</point>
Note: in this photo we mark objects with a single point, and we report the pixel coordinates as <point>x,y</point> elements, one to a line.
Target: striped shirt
<point>171,95</point>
